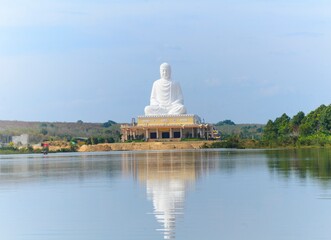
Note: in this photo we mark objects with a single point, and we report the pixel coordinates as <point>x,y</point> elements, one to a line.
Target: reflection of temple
<point>167,176</point>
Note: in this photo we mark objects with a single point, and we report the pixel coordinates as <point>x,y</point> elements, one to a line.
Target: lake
<point>192,194</point>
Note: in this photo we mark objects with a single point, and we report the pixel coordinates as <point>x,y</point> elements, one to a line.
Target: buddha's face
<point>165,72</point>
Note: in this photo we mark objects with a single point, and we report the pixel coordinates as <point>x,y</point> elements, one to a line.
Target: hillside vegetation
<point>237,135</point>
<point>243,131</point>
<point>301,129</point>
<point>313,129</point>
<point>39,131</point>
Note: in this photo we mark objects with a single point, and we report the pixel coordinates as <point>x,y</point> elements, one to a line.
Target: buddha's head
<point>165,71</point>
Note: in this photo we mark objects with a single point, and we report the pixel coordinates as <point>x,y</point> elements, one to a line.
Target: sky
<point>244,60</point>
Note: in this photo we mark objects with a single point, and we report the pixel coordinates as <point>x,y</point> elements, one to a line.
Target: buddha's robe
<point>166,98</point>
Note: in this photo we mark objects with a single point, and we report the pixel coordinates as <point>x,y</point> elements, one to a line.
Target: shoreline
<point>137,146</point>
<point>141,146</point>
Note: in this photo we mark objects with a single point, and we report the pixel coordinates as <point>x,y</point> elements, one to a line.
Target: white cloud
<point>270,91</point>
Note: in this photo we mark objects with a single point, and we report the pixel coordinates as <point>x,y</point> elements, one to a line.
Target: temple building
<point>163,127</point>
<point>166,118</point>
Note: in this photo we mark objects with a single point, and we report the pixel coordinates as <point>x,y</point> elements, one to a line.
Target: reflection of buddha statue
<point>168,197</point>
<point>167,176</point>
<point>166,97</point>
<point>167,179</point>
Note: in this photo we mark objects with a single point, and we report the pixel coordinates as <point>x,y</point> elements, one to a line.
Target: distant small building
<point>22,140</point>
<point>5,140</point>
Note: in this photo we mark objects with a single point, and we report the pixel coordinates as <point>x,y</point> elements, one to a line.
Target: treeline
<point>225,122</point>
<point>97,140</point>
<point>301,129</point>
<point>229,130</point>
<point>41,131</point>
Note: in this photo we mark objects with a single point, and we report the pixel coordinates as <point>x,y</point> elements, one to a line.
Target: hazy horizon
<point>96,122</point>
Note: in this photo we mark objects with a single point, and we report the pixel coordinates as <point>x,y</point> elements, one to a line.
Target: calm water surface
<point>201,194</point>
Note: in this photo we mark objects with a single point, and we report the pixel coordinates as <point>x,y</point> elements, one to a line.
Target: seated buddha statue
<point>166,97</point>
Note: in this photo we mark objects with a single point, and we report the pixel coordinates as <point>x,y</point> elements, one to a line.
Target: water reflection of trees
<point>56,167</point>
<point>167,176</point>
<point>304,163</point>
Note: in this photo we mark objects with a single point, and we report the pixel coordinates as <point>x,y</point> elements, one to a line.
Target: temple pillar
<point>170,133</point>
<point>147,134</point>
<point>125,135</point>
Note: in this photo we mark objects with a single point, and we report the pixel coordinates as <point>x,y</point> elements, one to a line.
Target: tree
<point>311,124</point>
<point>296,122</point>
<point>282,125</point>
<point>269,131</point>
<point>297,119</point>
<point>108,123</point>
<point>325,119</point>
<point>43,131</point>
<point>277,131</point>
<point>225,122</point>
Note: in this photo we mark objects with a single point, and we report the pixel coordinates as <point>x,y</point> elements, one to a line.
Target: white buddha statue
<point>166,97</point>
